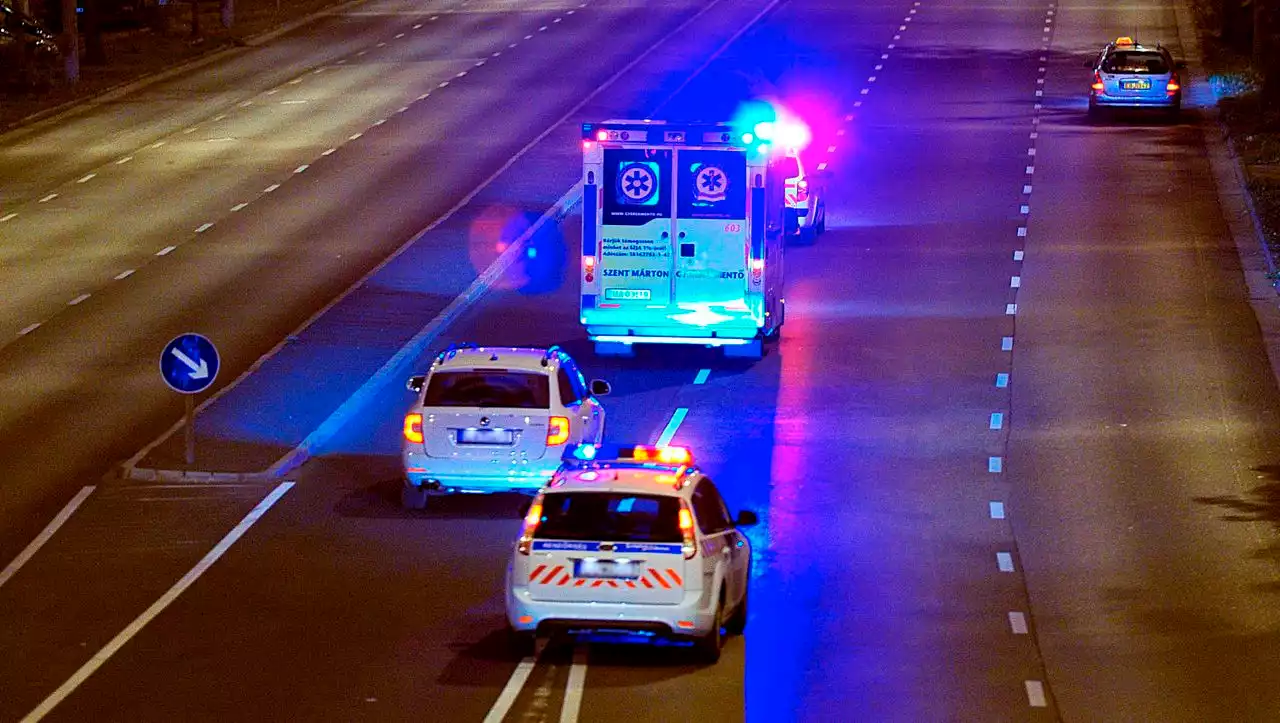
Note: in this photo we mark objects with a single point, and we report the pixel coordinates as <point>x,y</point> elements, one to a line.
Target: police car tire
<point>413,497</point>
<point>521,642</point>
<point>708,647</point>
<point>821,226</point>
<point>737,622</point>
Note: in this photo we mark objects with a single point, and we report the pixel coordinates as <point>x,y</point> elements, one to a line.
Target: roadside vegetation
<point>1241,43</point>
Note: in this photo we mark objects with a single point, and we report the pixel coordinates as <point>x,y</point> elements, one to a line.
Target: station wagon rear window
<point>609,517</point>
<point>1137,62</point>
<point>488,388</point>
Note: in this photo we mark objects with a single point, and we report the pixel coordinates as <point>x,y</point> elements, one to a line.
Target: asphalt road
<point>1012,454</point>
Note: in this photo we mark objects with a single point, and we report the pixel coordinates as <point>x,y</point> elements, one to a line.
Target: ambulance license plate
<point>627,294</point>
<point>606,568</point>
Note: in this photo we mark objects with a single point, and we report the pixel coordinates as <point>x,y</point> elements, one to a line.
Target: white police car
<point>636,541</point>
<point>495,419</point>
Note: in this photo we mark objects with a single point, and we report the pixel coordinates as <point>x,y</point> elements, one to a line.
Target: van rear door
<point>635,233</point>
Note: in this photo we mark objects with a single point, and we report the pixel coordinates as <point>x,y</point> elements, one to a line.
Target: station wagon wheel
<point>413,497</point>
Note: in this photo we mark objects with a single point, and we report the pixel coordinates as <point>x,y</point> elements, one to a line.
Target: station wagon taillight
<point>1173,86</point>
<point>413,427</point>
<point>1097,81</point>
<point>557,431</point>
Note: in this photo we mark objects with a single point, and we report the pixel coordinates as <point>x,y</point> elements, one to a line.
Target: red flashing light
<point>589,267</point>
<point>602,135</point>
<point>586,145</point>
<point>413,427</point>
<point>666,455</point>
<point>689,544</point>
<point>531,521</point>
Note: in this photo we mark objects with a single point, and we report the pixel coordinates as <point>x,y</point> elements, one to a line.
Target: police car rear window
<point>609,517</point>
<point>1137,62</point>
<point>488,388</point>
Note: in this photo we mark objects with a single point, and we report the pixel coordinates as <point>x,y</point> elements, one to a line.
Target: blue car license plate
<point>473,435</point>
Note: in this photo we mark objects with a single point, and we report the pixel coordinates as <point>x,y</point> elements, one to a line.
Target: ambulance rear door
<point>711,234</point>
<point>635,229</point>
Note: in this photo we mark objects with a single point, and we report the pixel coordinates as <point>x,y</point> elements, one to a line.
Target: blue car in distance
<point>1129,75</point>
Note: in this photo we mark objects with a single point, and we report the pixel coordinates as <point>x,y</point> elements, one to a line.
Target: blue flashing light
<point>763,148</point>
<point>585,451</point>
<point>747,138</point>
<point>764,130</point>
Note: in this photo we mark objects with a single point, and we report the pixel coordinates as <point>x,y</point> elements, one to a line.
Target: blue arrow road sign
<point>189,363</point>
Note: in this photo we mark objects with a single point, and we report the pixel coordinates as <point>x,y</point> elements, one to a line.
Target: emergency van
<point>682,237</point>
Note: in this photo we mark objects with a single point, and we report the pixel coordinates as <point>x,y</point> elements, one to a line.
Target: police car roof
<point>648,478</point>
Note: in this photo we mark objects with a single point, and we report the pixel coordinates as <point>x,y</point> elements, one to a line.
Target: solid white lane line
<point>124,275</point>
<point>670,431</point>
<point>1018,623</point>
<point>1002,380</point>
<point>1035,694</point>
<point>124,160</point>
<point>703,374</point>
<point>997,420</point>
<point>238,207</point>
<point>102,656</point>
<point>28,329</point>
<point>1018,255</point>
<point>997,510</point>
<point>204,227</point>
<point>1004,561</point>
<point>79,299</point>
<point>574,686</point>
<point>1006,343</point>
<point>48,198</point>
<point>995,465</point>
<point>7,217</point>
<point>166,251</point>
<point>58,521</point>
<point>507,697</point>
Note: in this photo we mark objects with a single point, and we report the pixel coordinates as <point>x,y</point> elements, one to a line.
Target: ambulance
<point>682,236</point>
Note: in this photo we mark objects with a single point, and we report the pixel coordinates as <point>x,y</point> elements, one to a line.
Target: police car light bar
<point>587,453</point>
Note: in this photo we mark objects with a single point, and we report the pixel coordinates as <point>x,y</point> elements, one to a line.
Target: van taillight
<point>557,431</point>
<point>689,546</point>
<point>1097,82</point>
<point>413,427</point>
<point>531,520</point>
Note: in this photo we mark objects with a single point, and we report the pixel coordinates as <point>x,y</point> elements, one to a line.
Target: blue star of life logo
<point>711,184</point>
<point>637,183</point>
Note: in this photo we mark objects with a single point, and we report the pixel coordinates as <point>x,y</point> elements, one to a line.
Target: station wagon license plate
<point>606,568</point>
<point>627,294</point>
<point>473,435</point>
<point>1135,84</point>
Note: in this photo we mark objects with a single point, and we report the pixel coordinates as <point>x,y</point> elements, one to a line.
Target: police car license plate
<point>606,568</point>
<point>627,294</point>
<point>1135,84</point>
<point>485,436</point>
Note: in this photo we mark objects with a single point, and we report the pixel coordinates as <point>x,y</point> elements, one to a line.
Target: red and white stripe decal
<point>546,579</point>
<point>536,571</point>
<point>658,576</point>
<point>675,577</point>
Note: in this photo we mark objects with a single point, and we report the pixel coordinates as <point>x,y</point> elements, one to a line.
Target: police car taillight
<point>689,544</point>
<point>413,427</point>
<point>531,521</point>
<point>1097,81</point>
<point>557,431</point>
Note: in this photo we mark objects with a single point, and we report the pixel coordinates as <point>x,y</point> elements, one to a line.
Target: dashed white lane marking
<point>831,149</point>
<point>204,227</point>
<point>997,510</point>
<point>8,217</point>
<point>997,420</point>
<point>28,329</point>
<point>528,37</point>
<point>1018,623</point>
<point>1004,561</point>
<point>443,84</point>
<point>1002,380</point>
<point>703,375</point>
<point>192,129</point>
<point>302,168</point>
<point>238,207</point>
<point>574,686</point>
<point>78,300</point>
<point>822,166</point>
<point>670,431</point>
<point>295,81</point>
<point>124,274</point>
<point>111,648</point>
<point>1015,282</point>
<point>507,697</point>
<point>1022,232</point>
<point>271,188</point>
<point>124,160</point>
<point>417,26</point>
<point>1006,343</point>
<point>1018,255</point>
<point>246,104</point>
<point>1026,189</point>
<point>354,136</point>
<point>510,46</point>
<point>1035,694</point>
<point>166,251</point>
<point>157,144</point>
<point>461,74</point>
<point>34,546</point>
<point>1031,170</point>
<point>1024,209</point>
<point>557,20</point>
<point>329,151</point>
<point>399,35</point>
<point>48,198</point>
<point>293,102</point>
<point>995,464</point>
<point>379,122</point>
<point>1031,151</point>
<point>1010,309</point>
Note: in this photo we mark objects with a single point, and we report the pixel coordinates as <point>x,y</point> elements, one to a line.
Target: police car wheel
<point>521,642</point>
<point>413,497</point>
<point>822,218</point>
<point>738,621</point>
<point>708,647</point>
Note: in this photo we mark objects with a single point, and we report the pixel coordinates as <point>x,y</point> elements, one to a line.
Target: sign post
<point>189,364</point>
